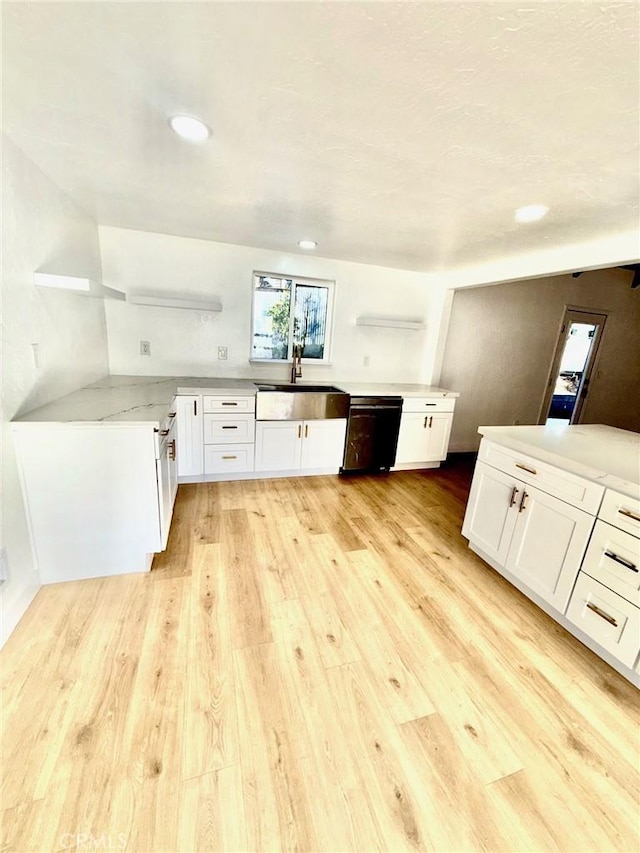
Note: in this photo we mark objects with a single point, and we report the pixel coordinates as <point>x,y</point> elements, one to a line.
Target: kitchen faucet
<point>296,367</point>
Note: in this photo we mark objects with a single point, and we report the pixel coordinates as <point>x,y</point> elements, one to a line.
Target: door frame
<point>571,315</point>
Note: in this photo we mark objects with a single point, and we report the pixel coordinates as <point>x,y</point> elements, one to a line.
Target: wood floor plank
<point>332,778</point>
<point>275,796</point>
<point>313,664</point>
<point>210,736</point>
<point>212,812</point>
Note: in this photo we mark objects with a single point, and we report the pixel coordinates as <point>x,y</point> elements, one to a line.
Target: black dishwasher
<point>372,434</point>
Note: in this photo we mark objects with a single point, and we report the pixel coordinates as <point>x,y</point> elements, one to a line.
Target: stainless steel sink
<point>290,402</point>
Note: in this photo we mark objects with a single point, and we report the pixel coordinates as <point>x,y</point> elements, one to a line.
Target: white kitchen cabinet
<point>549,539</point>
<point>300,445</point>
<point>489,519</point>
<point>537,537</point>
<point>98,499</point>
<point>323,443</point>
<point>423,437</point>
<point>190,438</point>
<point>167,475</point>
<point>278,445</point>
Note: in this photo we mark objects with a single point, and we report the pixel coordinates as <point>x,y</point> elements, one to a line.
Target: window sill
<point>306,362</point>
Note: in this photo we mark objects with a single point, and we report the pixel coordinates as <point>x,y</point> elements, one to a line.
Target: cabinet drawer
<point>228,458</point>
<point>613,558</point>
<point>606,617</point>
<point>568,487</point>
<point>428,404</point>
<point>218,403</point>
<point>223,429</point>
<point>621,511</point>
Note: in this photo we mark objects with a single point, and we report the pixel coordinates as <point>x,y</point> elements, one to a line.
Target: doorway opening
<point>572,366</point>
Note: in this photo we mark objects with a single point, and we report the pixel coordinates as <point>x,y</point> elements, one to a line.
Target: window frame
<point>329,284</point>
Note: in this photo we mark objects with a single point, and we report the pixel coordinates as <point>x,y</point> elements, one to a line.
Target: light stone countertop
<point>145,400</point>
<point>603,454</point>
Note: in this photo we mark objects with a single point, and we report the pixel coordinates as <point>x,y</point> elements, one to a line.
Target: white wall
<point>42,228</point>
<point>501,343</point>
<point>185,342</point>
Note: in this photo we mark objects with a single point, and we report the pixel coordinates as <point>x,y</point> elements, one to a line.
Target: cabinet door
<point>438,432</point>
<point>278,445</point>
<point>492,511</point>
<point>323,443</point>
<point>412,438</point>
<point>548,542</point>
<point>423,437</point>
<point>190,436</point>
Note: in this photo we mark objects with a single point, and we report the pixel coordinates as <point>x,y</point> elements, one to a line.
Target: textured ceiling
<point>395,134</point>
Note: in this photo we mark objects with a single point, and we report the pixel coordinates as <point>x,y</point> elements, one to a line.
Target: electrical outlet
<point>145,347</point>
<point>223,353</point>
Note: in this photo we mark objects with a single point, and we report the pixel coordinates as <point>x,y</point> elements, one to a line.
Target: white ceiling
<point>396,134</point>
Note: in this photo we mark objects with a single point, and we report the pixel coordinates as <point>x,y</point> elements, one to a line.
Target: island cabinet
<point>311,445</point>
<point>535,536</point>
<point>425,428</point>
<point>565,540</point>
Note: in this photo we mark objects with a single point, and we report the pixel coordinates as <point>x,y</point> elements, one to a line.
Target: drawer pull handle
<point>431,404</point>
<point>229,404</point>
<point>165,431</point>
<point>613,556</point>
<point>172,414</point>
<point>172,450</point>
<point>514,492</point>
<point>629,514</point>
<point>230,427</point>
<point>524,468</point>
<point>229,457</point>
<point>523,502</point>
<point>602,614</point>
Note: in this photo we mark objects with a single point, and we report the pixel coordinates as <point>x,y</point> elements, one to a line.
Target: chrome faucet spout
<point>296,366</point>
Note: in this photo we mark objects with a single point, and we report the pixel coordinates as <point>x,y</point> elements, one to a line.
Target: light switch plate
<point>223,353</point>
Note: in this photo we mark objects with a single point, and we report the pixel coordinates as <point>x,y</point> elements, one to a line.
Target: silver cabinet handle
<point>602,614</point>
<point>613,556</point>
<point>514,492</point>
<point>629,514</point>
<point>523,502</point>
<point>524,468</point>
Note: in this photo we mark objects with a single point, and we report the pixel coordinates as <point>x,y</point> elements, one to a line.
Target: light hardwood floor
<point>313,664</point>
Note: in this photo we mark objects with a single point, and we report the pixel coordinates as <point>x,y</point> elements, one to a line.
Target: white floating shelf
<point>167,302</point>
<point>391,322</point>
<point>76,284</point>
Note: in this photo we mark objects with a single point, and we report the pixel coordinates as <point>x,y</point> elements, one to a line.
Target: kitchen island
<point>556,510</point>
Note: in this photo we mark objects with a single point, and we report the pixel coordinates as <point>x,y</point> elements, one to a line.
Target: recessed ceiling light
<point>531,212</point>
<point>190,128</point>
<point>307,244</point>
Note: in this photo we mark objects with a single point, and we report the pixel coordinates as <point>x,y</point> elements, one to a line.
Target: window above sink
<point>289,311</point>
